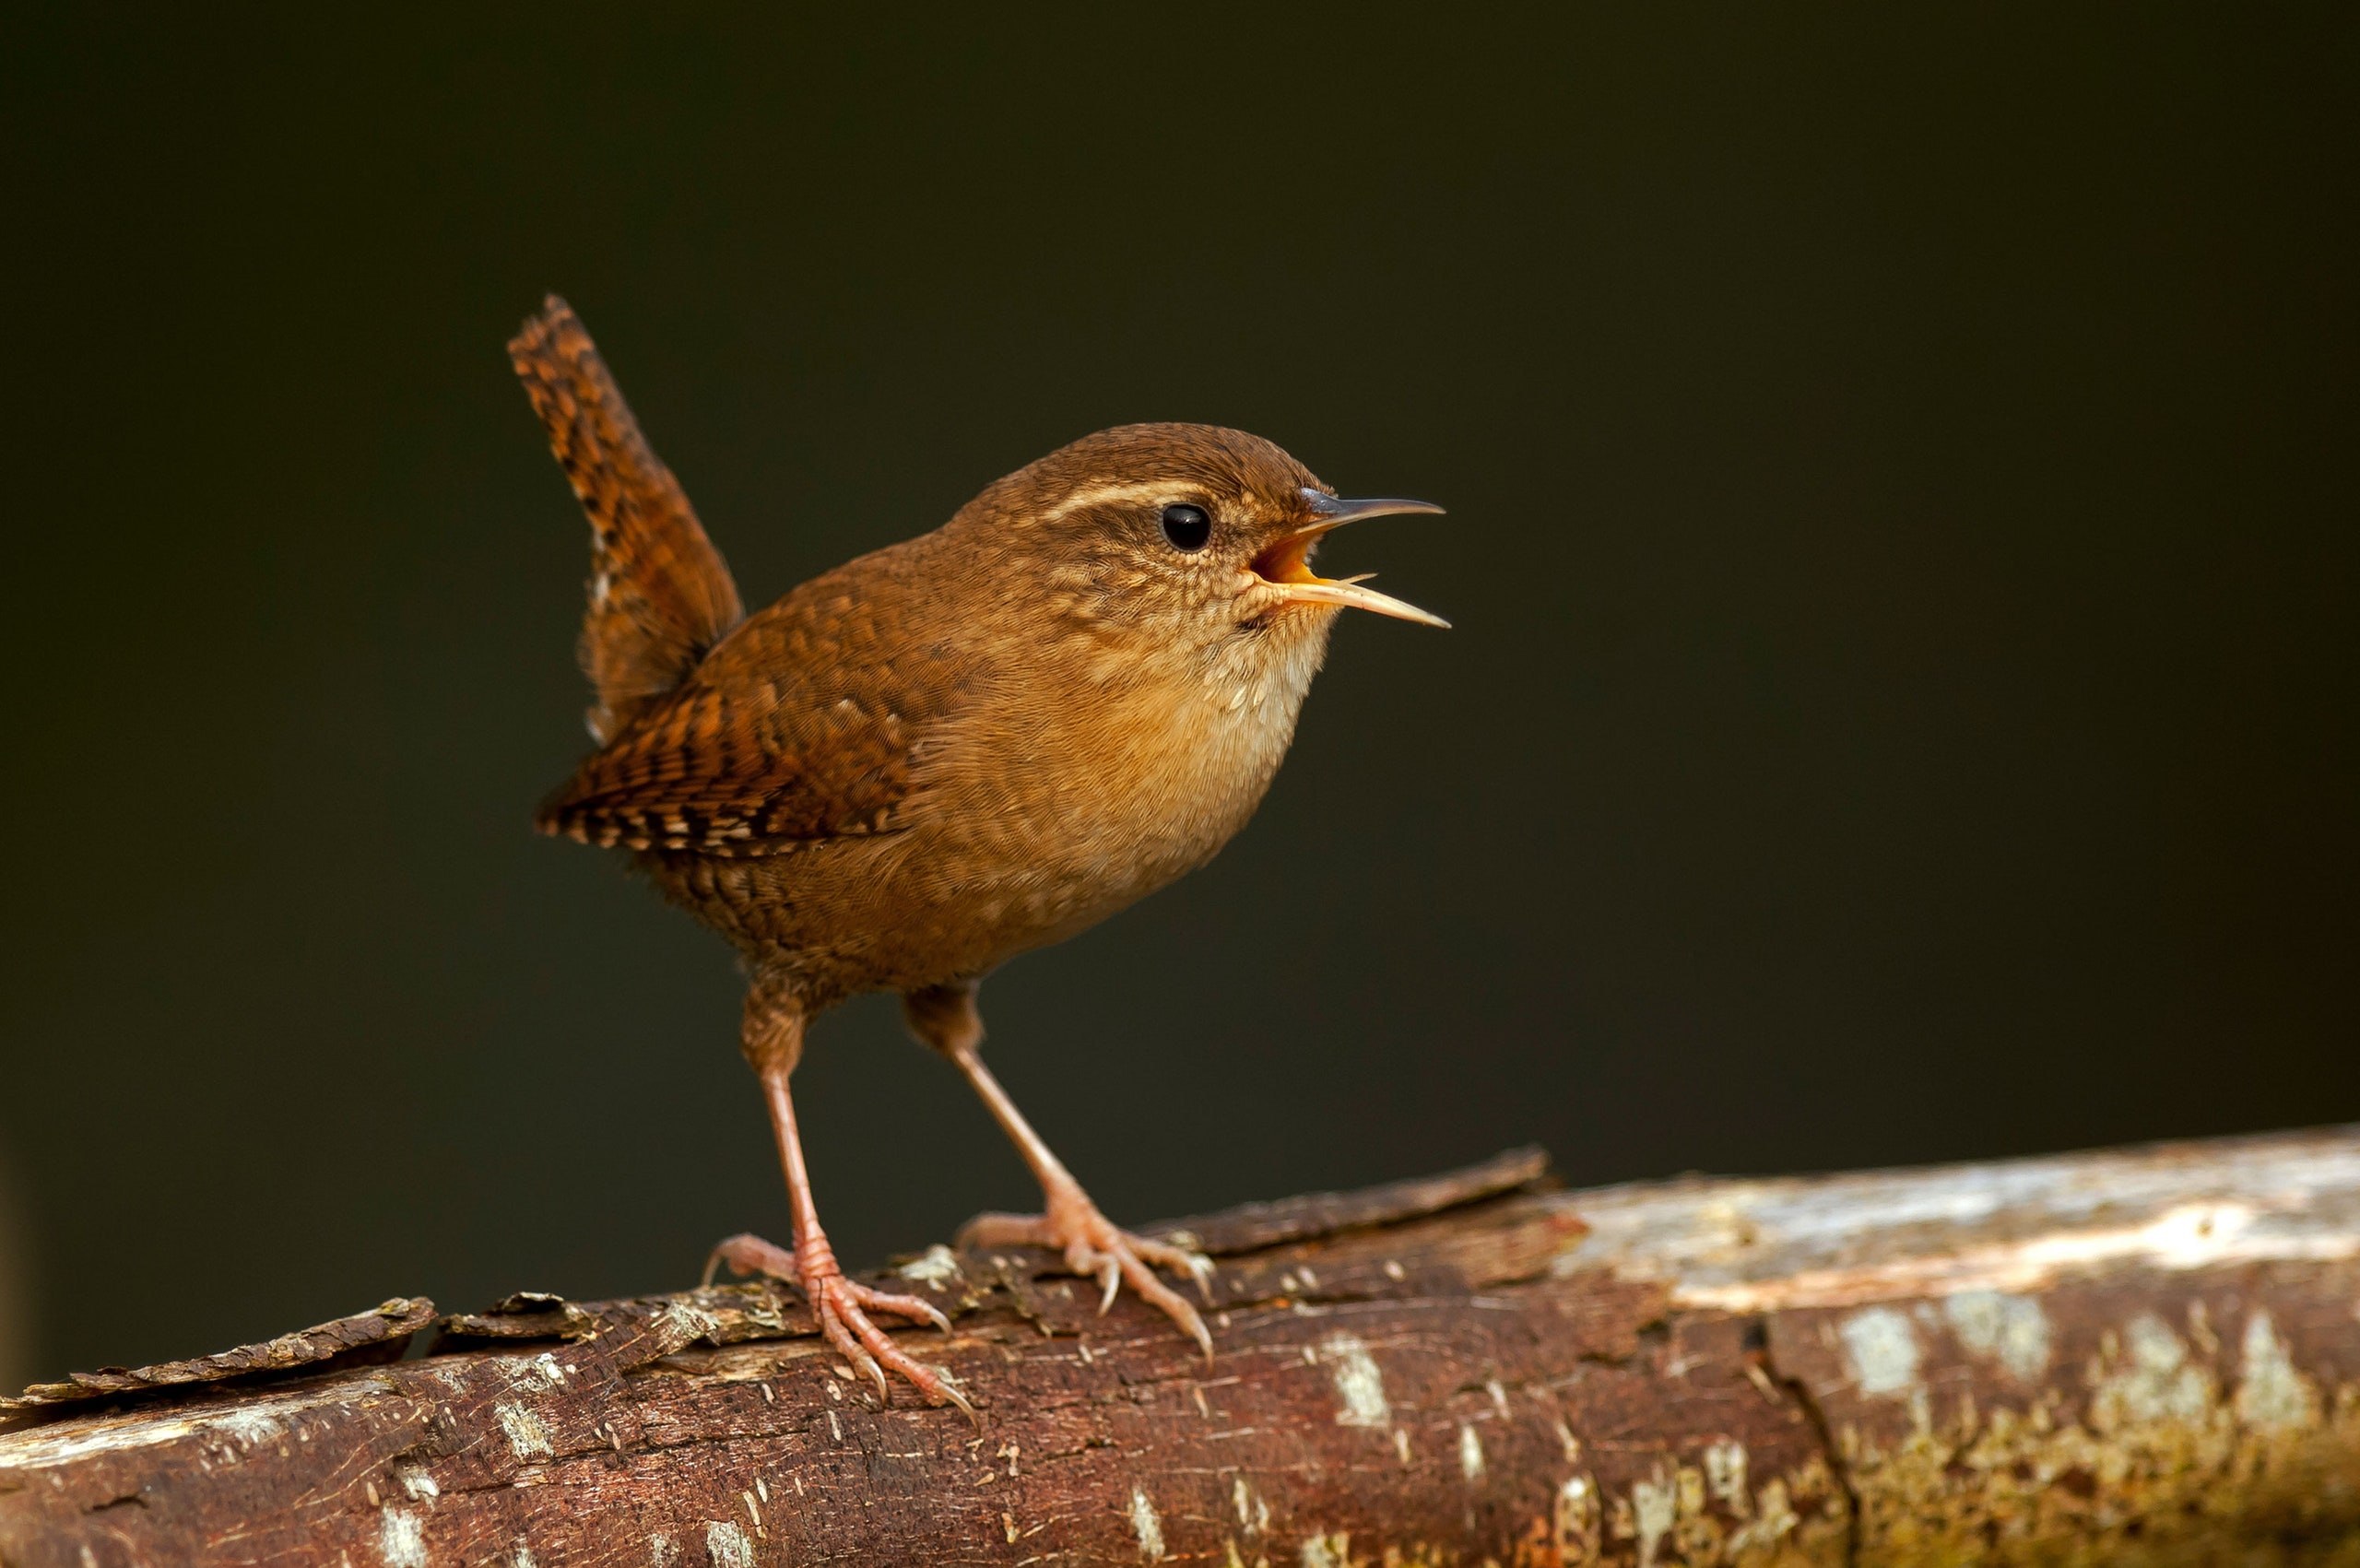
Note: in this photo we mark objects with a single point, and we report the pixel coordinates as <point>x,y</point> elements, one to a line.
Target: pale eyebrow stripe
<point>1134,490</point>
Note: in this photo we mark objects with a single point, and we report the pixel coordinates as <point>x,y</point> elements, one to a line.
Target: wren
<point>942,754</point>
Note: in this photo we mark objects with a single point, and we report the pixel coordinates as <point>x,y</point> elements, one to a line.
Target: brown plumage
<point>660,596</point>
<point>943,753</point>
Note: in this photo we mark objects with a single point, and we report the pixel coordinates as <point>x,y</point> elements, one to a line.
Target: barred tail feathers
<point>660,596</point>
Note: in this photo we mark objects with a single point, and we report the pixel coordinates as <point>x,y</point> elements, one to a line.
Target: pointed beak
<point>1334,512</point>
<point>1287,564</point>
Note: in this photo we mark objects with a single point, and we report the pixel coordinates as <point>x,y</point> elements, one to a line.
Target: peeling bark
<point>2150,1356</point>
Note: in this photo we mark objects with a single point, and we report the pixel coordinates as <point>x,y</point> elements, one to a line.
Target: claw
<point>1171,1303</point>
<point>1199,1332</point>
<point>1110,1280</point>
<point>867,1365</point>
<point>950,1392</point>
<point>837,1303</point>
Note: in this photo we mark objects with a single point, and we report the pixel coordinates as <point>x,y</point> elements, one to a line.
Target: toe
<point>910,1307</point>
<point>987,1231</point>
<point>1196,1265</point>
<point>1169,1302</point>
<point>931,1383</point>
<point>935,1384</point>
<point>746,1254</point>
<point>840,1335</point>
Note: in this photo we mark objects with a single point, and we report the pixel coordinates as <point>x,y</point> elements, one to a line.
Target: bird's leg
<point>945,1018</point>
<point>773,1042</point>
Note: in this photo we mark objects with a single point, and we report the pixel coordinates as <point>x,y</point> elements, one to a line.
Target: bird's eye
<point>1186,526</point>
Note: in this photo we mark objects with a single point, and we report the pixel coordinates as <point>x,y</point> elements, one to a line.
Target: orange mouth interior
<point>1289,561</point>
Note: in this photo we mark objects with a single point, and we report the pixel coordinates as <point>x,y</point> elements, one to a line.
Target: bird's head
<point>1192,535</point>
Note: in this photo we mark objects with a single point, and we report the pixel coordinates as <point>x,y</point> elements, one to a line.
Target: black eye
<point>1186,526</point>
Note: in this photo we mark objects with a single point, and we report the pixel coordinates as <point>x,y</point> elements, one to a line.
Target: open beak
<point>1286,565</point>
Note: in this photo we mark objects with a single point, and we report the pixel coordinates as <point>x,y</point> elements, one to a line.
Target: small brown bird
<point>969,744</point>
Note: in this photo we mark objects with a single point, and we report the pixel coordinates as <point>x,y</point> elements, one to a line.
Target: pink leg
<point>945,1018</point>
<point>773,1043</point>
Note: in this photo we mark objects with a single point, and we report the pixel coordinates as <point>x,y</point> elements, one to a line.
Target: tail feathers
<point>660,595</point>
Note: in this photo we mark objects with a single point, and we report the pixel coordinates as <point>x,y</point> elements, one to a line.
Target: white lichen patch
<point>1324,1551</point>
<point>2012,1330</point>
<point>1655,1508</point>
<point>1725,1476</point>
<point>401,1540</point>
<point>1882,1349</point>
<point>689,1323</point>
<point>542,1372</point>
<point>1778,1518</point>
<point>1359,1385</point>
<point>414,1480</point>
<point>1576,1518</point>
<point>1471,1453</point>
<point>937,1266</point>
<point>528,1434</point>
<point>251,1428</point>
<point>726,1545</point>
<point>1147,1526</point>
<point>2158,1383</point>
<point>1252,1510</point>
<point>2272,1395</point>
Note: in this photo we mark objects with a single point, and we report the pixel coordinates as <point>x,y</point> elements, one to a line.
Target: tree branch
<point>2143,1355</point>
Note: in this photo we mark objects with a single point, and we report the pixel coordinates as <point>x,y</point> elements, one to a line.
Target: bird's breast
<point>1065,811</point>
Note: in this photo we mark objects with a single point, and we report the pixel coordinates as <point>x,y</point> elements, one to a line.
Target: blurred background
<point>1901,543</point>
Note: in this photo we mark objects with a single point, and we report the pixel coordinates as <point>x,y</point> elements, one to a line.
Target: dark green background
<point>1902,544</point>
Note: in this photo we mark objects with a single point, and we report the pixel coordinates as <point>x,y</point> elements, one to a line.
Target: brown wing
<point>660,596</point>
<point>802,726</point>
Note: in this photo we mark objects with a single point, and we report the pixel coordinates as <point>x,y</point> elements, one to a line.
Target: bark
<point>2146,1356</point>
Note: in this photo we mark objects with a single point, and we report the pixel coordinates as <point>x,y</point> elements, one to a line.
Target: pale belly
<point>1018,843</point>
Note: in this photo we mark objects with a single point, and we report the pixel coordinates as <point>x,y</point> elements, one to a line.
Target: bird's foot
<point>843,1307</point>
<point>1095,1248</point>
